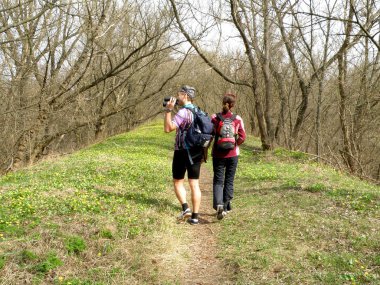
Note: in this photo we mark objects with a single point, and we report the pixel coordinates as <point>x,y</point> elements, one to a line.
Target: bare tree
<point>242,16</point>
<point>307,72</point>
<point>297,51</point>
<point>76,64</point>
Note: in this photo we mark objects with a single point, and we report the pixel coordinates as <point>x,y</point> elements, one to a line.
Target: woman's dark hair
<point>229,100</point>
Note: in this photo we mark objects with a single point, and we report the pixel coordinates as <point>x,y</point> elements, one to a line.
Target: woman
<point>229,134</point>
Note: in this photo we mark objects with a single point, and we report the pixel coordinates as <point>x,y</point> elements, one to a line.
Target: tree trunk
<point>268,77</point>
<point>346,152</point>
<point>31,143</point>
<point>266,143</point>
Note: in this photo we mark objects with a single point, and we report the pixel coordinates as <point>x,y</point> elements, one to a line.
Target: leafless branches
<point>72,65</point>
<point>297,62</point>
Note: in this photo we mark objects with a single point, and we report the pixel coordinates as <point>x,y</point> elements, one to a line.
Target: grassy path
<point>191,251</point>
<point>204,267</point>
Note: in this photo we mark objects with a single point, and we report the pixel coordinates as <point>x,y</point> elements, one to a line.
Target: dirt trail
<point>204,267</point>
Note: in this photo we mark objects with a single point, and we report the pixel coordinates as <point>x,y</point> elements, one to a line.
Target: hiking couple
<point>224,160</point>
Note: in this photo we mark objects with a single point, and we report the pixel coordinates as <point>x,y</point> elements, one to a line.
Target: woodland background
<point>306,72</point>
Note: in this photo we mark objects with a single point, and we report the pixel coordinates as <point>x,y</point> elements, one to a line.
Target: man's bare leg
<point>180,190</point>
<point>196,194</point>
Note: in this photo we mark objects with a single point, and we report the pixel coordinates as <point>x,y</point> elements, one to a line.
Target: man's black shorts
<point>181,163</point>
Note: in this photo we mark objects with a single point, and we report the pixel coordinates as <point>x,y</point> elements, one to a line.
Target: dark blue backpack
<point>199,133</point>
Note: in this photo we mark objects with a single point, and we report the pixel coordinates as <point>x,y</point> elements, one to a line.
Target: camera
<point>166,100</point>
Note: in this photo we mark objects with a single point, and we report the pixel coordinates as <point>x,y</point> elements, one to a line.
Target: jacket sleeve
<point>241,131</point>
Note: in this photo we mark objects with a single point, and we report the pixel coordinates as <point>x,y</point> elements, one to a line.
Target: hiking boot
<point>220,213</point>
<point>193,221</point>
<point>185,214</point>
<point>229,207</point>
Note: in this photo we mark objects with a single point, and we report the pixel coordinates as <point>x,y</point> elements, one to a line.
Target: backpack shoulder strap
<point>220,117</point>
<point>193,109</point>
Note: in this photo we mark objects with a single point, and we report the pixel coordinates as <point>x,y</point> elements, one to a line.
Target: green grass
<point>75,245</point>
<point>104,215</point>
<point>296,222</point>
<point>88,209</point>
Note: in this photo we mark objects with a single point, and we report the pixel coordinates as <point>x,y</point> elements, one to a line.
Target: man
<point>181,159</point>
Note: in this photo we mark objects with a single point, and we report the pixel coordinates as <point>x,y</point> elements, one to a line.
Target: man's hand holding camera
<point>169,103</point>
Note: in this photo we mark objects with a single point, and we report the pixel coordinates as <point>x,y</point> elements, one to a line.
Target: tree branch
<point>200,53</point>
